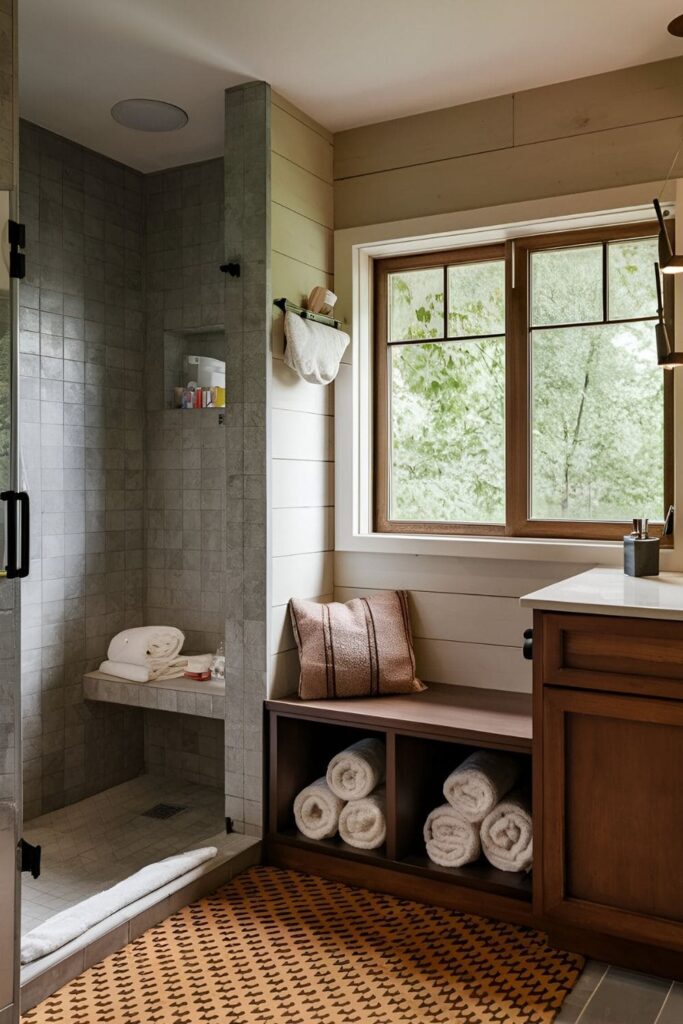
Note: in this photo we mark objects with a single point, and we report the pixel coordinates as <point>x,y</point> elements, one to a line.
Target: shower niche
<point>194,368</point>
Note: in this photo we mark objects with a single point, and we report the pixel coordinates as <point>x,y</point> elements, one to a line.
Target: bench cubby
<point>426,736</point>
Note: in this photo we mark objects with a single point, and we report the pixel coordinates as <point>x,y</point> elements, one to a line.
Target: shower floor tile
<point>98,842</point>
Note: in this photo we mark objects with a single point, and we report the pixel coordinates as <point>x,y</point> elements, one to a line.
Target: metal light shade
<point>669,262</point>
<point>667,356</point>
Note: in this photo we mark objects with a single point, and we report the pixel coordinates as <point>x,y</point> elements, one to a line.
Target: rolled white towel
<point>354,773</point>
<point>451,839</point>
<point>507,834</point>
<point>120,669</point>
<point>152,646</point>
<point>316,810</point>
<point>363,823</point>
<point>480,782</point>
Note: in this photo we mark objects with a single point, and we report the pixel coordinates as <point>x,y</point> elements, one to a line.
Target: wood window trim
<point>517,380</point>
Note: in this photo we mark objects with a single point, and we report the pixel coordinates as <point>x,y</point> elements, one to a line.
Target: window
<point>517,390</point>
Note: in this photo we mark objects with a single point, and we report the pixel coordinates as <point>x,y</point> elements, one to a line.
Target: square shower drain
<point>163,811</point>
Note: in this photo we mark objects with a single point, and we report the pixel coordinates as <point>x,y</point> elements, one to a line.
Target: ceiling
<point>345,62</point>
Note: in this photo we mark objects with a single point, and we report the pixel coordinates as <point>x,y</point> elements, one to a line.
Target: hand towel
<point>135,673</point>
<point>152,646</point>
<point>507,834</point>
<point>363,823</point>
<point>313,350</point>
<point>355,772</point>
<point>451,839</point>
<point>480,782</point>
<point>316,811</point>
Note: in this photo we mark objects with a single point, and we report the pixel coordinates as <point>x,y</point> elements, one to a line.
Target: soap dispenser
<point>641,552</point>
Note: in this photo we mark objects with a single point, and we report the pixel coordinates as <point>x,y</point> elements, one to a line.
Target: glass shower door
<point>13,565</point>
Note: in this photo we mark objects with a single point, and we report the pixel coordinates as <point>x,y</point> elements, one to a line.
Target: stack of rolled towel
<point>146,653</point>
<point>349,799</point>
<point>485,813</point>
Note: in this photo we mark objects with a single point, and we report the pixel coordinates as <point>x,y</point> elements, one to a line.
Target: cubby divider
<point>426,736</point>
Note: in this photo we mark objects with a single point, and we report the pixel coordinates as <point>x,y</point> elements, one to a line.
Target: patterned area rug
<point>279,947</point>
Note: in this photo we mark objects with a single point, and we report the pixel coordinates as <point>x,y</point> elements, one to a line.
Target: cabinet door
<point>612,815</point>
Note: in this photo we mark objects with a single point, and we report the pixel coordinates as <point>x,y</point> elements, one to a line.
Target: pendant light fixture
<point>669,261</point>
<point>667,356</point>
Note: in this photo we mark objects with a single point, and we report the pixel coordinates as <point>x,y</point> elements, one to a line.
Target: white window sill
<point>537,549</point>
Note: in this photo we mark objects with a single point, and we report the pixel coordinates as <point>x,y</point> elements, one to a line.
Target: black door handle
<point>30,857</point>
<point>13,499</point>
<point>528,645</point>
<point>25,503</point>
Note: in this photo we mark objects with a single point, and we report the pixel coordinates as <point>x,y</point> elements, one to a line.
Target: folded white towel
<point>363,823</point>
<point>313,350</point>
<point>480,782</point>
<point>451,839</point>
<point>507,834</point>
<point>151,646</point>
<point>354,773</point>
<point>69,924</point>
<point>140,674</point>
<point>316,811</point>
<point>120,669</point>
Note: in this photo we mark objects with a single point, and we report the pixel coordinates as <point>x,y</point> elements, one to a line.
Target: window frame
<point>516,253</point>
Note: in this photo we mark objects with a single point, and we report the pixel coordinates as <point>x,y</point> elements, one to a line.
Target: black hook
<point>231,268</point>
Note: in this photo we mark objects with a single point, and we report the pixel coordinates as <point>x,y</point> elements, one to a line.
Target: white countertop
<point>611,592</point>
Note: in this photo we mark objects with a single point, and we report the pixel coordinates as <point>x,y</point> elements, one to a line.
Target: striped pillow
<point>363,648</point>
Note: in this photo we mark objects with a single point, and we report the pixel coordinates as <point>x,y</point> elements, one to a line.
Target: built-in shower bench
<point>184,696</point>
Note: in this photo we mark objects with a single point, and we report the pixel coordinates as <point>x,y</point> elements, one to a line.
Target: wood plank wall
<point>8,94</point>
<point>618,128</point>
<point>302,415</point>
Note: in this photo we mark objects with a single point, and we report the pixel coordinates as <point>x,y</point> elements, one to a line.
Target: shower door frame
<point>11,809</point>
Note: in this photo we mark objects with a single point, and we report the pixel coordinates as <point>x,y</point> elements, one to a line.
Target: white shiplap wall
<point>466,618</point>
<point>302,415</point>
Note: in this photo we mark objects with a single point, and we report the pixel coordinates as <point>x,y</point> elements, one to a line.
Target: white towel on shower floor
<point>69,924</point>
<point>354,773</point>
<point>317,810</point>
<point>507,834</point>
<point>451,840</point>
<point>480,782</point>
<point>155,647</point>
<point>363,823</point>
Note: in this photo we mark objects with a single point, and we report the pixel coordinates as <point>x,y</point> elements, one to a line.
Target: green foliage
<point>596,393</point>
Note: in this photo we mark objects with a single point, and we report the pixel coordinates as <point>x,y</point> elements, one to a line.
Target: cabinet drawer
<point>602,652</point>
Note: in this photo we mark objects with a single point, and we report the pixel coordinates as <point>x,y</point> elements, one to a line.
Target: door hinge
<point>29,857</point>
<point>17,240</point>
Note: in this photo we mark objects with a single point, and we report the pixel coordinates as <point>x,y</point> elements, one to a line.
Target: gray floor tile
<point>590,978</point>
<point>624,997</point>
<point>672,1011</point>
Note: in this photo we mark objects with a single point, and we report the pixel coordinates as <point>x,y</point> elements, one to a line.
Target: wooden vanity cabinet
<point>608,802</point>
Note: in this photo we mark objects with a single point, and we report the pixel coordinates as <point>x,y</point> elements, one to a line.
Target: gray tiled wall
<point>248,319</point>
<point>128,497</point>
<point>82,409</point>
<point>184,746</point>
<point>185,480</point>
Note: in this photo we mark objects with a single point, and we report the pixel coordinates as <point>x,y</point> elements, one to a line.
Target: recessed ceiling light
<point>149,115</point>
<point>675,27</point>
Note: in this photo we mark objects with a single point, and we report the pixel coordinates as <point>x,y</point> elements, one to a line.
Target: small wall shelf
<point>426,736</point>
<point>185,696</point>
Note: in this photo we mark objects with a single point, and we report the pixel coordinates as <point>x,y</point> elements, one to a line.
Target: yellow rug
<point>279,947</point>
